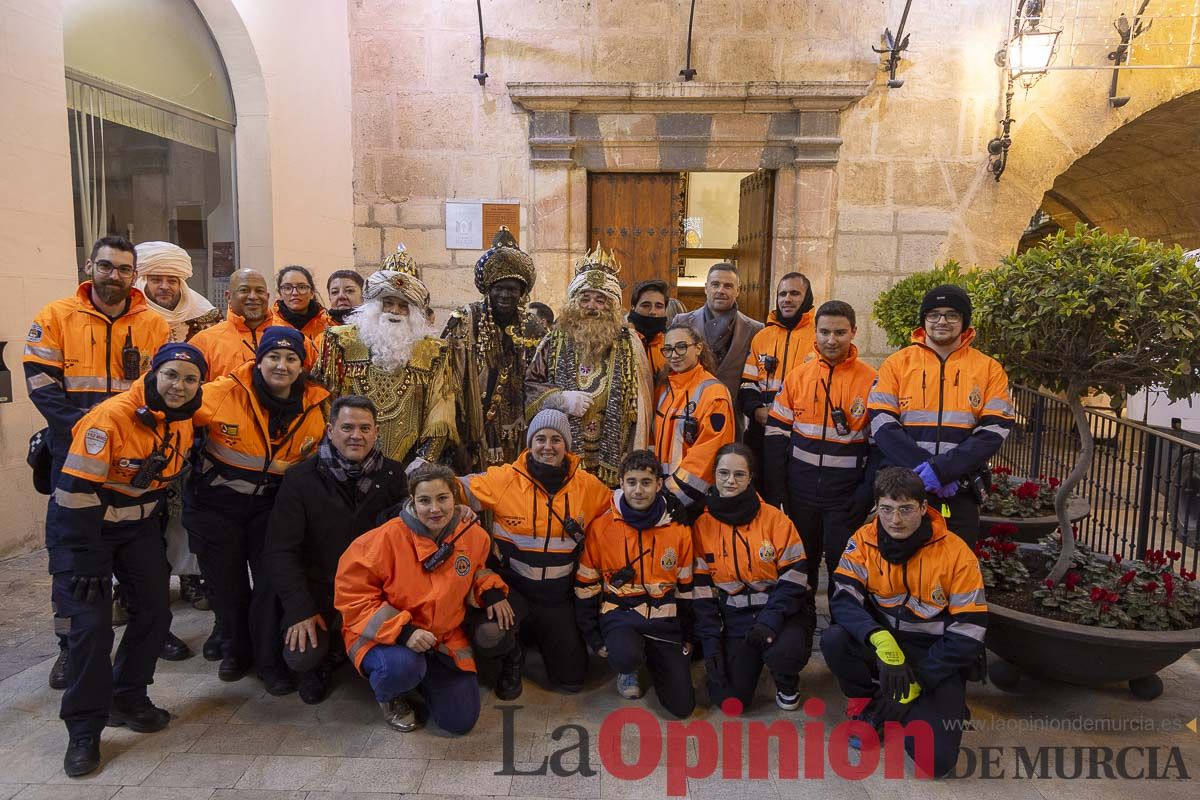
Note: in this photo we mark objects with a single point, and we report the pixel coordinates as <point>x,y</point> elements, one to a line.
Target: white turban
<point>163,258</point>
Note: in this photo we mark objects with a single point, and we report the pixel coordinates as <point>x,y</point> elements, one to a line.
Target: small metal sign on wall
<point>471,225</point>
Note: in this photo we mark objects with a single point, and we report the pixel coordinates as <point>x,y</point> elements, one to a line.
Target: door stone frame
<point>790,127</point>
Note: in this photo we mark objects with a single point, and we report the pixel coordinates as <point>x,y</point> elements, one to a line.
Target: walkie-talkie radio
<point>839,422</point>
<point>131,358</point>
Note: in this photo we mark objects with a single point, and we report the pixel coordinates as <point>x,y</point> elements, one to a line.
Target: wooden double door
<point>639,216</point>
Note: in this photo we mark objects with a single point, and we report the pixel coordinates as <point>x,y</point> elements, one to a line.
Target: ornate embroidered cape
<point>415,405</point>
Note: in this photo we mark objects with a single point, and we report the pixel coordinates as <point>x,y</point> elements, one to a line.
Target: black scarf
<point>805,306</point>
<point>642,520</point>
<point>280,411</point>
<point>647,327</point>
<point>740,509</point>
<point>155,402</point>
<point>339,315</point>
<point>897,551</point>
<point>360,475</point>
<point>298,319</point>
<point>551,478</point>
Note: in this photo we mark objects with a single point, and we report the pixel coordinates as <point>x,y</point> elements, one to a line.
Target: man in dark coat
<point>324,504</point>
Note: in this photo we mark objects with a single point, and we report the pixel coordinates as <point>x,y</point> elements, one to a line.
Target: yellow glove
<point>895,676</point>
<point>914,691</point>
<point>887,648</point>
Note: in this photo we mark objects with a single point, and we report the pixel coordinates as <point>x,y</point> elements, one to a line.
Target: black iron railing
<point>1143,485</point>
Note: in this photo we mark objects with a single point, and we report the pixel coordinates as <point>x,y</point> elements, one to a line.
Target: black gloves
<point>760,636</point>
<point>90,576</point>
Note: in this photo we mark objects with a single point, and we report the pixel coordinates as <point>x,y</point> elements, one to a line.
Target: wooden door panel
<point>755,213</point>
<point>639,216</point>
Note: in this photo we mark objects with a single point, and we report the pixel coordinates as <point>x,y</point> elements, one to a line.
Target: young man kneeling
<point>911,617</point>
<point>634,585</point>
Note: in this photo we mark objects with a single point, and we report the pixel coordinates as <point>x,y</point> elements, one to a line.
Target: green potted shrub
<point>1084,311</point>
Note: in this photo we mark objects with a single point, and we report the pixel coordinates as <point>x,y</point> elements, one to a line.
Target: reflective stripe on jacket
<point>381,586</point>
<point>108,447</point>
<point>73,356</point>
<point>652,600</point>
<point>934,600</point>
<point>955,414</point>
<point>824,466</point>
<point>747,574</point>
<point>695,393</point>
<point>534,554</point>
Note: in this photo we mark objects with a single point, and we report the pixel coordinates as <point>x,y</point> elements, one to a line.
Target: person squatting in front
<point>693,418</point>
<point>633,588</point>
<point>910,619</point>
<point>750,577</point>
<point>324,503</point>
<point>106,515</point>
<point>258,421</point>
<point>403,589</point>
<point>541,505</point>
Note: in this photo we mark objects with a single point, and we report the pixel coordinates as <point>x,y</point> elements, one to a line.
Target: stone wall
<point>909,187</point>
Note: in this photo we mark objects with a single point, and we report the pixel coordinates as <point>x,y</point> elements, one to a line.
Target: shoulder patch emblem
<point>229,430</point>
<point>858,408</point>
<point>938,595</point>
<point>462,565</point>
<point>308,445</point>
<point>35,333</point>
<point>975,398</point>
<point>669,558</point>
<point>717,421</point>
<point>766,553</point>
<point>851,546</point>
<point>94,441</point>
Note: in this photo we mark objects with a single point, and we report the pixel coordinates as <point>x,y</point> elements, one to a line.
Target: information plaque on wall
<point>471,225</point>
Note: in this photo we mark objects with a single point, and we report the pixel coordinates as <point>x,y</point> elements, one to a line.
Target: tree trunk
<point>1082,464</point>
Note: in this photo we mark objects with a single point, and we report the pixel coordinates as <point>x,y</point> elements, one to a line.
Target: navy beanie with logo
<point>280,337</point>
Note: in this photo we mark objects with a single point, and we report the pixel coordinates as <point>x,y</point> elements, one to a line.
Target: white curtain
<point>87,128</point>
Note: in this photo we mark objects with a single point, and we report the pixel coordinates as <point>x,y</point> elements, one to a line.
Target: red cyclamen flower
<point>1128,577</point>
<point>1150,586</point>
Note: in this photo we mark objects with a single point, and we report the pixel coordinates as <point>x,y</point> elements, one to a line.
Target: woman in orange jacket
<point>298,305</point>
<point>540,505</point>
<point>257,422</point>
<point>750,584</point>
<point>693,418</point>
<point>403,591</point>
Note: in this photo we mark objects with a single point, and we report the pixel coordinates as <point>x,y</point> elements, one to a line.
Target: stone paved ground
<point>235,742</point>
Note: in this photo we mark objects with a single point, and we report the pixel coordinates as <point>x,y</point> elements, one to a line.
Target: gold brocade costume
<point>416,405</point>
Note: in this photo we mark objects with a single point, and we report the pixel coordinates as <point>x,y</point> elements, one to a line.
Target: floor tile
<point>197,770</point>
<point>468,778</point>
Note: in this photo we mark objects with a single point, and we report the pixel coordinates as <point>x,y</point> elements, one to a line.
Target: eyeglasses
<point>949,316</point>
<point>105,268</point>
<point>738,476</point>
<point>295,288</point>
<point>898,511</point>
<point>675,350</point>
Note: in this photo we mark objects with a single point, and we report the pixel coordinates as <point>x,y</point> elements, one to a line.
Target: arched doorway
<point>1143,177</point>
<point>152,132</point>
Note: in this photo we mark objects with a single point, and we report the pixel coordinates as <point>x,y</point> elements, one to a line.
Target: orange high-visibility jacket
<point>809,459</point>
<point>94,492</point>
<point>313,328</point>
<point>747,573</point>
<point>955,414</point>
<point>790,349</point>
<point>534,554</point>
<point>73,356</point>
<point>654,353</point>
<point>661,558</point>
<point>239,454</point>
<point>229,344</point>
<point>935,599</point>
<point>688,468</point>
<point>381,587</point>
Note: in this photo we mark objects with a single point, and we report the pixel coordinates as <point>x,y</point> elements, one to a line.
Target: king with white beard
<point>389,353</point>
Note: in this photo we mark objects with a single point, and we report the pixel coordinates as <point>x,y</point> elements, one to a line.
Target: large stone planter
<point>1083,655</point>
<point>1031,529</point>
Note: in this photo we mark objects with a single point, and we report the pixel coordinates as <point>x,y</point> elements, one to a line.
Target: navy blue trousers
<point>451,693</point>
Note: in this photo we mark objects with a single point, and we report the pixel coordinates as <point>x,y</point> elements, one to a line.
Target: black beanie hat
<point>949,296</point>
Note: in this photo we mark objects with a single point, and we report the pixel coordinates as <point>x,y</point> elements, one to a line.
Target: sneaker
<point>788,702</point>
<point>399,715</point>
<point>138,714</point>
<point>628,686</point>
<point>58,672</point>
<point>120,611</point>
<point>83,756</point>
